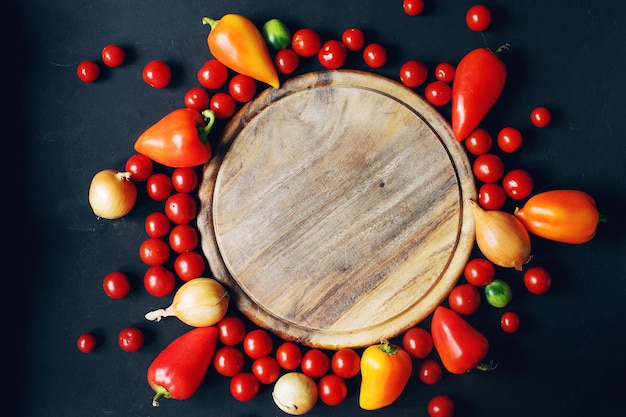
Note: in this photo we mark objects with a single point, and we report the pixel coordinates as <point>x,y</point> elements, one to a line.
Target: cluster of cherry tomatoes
<point>252,358</point>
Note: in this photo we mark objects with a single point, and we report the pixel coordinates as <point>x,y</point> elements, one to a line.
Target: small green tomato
<point>498,293</point>
<point>277,34</point>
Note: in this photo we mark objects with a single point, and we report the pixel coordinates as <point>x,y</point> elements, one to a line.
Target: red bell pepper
<point>179,139</point>
<point>460,346</point>
<point>478,82</point>
<point>177,372</point>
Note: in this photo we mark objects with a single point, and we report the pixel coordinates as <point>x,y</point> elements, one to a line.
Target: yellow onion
<point>199,302</point>
<point>501,237</point>
<point>112,194</point>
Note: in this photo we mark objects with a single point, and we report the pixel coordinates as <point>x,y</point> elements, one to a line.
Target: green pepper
<point>277,34</point>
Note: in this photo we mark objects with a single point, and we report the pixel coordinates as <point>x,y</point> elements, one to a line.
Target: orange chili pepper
<point>567,216</point>
<point>237,43</point>
<point>385,371</point>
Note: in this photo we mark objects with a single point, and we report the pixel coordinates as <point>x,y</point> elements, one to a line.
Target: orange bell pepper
<point>236,42</point>
<point>567,216</point>
<point>385,371</point>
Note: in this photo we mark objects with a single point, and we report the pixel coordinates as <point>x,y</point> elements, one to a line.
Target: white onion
<point>295,393</point>
<point>112,194</point>
<point>199,302</point>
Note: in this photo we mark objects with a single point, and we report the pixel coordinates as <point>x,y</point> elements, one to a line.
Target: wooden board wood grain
<point>334,209</point>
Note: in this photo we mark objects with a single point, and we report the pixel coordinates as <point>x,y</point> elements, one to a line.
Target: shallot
<point>200,302</point>
<point>501,237</point>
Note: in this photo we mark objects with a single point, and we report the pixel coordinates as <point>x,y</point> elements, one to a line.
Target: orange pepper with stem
<point>567,216</point>
<point>236,42</point>
<point>385,371</point>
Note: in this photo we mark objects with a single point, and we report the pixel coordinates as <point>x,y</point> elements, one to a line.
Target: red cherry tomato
<point>159,186</point>
<point>181,208</point>
<point>429,372</point>
<point>223,105</point>
<point>154,251</point>
<point>157,74</point>
<point>479,141</point>
<point>509,139</point>
<point>86,342</point>
<point>315,363</point>
<point>510,322</point>
<point>88,71</point>
<point>157,224</point>
<point>289,355</point>
<point>130,339</point>
<point>139,166</point>
<point>189,265</point>
<point>116,285</point>
<point>159,281</point>
<point>185,180</point>
<point>488,167</point>
<point>438,93</point>
<point>306,42</point>
<point>232,330</point>
<point>518,184</point>
<point>444,72</point>
<point>183,238</point>
<point>197,98</point>
<point>287,61</point>
<point>244,387</point>
<point>213,74</point>
<point>417,342</point>
<point>345,363</point>
<point>537,280</point>
<point>441,406</point>
<point>540,117</point>
<point>258,343</point>
<point>464,299</point>
<point>491,196</point>
<point>266,369</point>
<point>113,55</point>
<point>332,54</point>
<point>375,55</point>
<point>228,361</point>
<point>413,73</point>
<point>332,389</point>
<point>242,88</point>
<point>353,39</point>
<point>479,272</point>
<point>413,7</point>
<point>478,18</point>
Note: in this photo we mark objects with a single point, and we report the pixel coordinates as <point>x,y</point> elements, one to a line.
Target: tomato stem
<point>603,218</point>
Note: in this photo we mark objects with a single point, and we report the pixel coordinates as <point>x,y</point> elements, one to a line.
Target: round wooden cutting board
<point>334,209</point>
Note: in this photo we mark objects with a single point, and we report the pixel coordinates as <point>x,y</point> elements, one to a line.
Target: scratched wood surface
<point>334,209</point>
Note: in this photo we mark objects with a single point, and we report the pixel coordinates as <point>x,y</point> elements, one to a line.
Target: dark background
<point>568,358</point>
